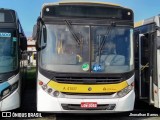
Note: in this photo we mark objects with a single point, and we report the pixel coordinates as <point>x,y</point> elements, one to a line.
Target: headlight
<point>56,93</point>
<point>14,87</point>
<point>5,92</point>
<point>125,91</point>
<point>49,90</point>
<point>44,87</point>
<point>9,90</point>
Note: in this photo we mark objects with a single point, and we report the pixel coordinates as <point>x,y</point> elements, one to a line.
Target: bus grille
<point>88,80</point>
<point>78,107</point>
<point>89,94</point>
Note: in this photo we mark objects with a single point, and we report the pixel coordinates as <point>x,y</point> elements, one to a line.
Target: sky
<point>29,10</point>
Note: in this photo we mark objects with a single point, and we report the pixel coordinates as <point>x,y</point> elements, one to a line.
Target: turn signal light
<point>40,83</point>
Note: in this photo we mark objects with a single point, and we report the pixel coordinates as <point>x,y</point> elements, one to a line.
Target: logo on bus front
<point>5,34</point>
<point>89,89</point>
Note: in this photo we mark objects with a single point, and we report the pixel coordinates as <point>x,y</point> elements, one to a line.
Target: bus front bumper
<point>47,103</point>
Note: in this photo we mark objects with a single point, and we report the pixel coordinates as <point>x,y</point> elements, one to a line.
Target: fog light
<point>56,93</point>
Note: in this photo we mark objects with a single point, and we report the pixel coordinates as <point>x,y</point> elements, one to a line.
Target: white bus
<point>85,58</point>
<point>12,43</point>
<point>147,56</point>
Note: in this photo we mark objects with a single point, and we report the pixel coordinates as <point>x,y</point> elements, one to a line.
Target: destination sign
<point>5,34</point>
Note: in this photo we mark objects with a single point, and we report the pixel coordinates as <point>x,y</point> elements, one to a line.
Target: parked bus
<point>12,43</point>
<point>85,58</point>
<point>147,56</point>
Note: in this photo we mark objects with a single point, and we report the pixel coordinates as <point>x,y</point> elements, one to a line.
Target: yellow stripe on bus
<point>79,88</point>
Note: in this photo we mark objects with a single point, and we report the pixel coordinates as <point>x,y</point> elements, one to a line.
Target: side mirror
<point>23,43</point>
<point>40,32</point>
<point>34,34</point>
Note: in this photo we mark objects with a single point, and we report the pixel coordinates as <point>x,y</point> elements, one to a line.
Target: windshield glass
<point>8,50</point>
<point>63,53</point>
<point>110,49</point>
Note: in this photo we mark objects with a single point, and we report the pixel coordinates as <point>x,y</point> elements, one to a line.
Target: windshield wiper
<point>76,38</point>
<point>99,65</point>
<point>104,39</point>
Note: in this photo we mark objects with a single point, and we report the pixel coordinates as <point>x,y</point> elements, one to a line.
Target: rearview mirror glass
<point>23,43</point>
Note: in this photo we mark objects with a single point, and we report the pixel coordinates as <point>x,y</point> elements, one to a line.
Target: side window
<point>20,28</point>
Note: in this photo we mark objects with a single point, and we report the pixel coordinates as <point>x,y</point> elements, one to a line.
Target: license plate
<point>88,105</point>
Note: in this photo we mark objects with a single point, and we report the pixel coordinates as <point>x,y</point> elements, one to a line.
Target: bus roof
<point>48,8</point>
<point>147,21</point>
<point>6,9</point>
<point>7,16</point>
<point>80,2</point>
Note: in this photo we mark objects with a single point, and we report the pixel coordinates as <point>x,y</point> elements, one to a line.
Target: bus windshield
<point>8,50</point>
<point>100,49</point>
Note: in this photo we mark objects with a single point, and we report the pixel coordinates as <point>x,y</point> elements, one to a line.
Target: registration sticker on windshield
<point>5,34</point>
<point>14,39</point>
<point>85,67</point>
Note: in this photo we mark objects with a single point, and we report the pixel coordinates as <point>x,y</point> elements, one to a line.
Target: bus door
<point>157,83</point>
<point>144,78</point>
<point>147,68</point>
<point>154,91</point>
